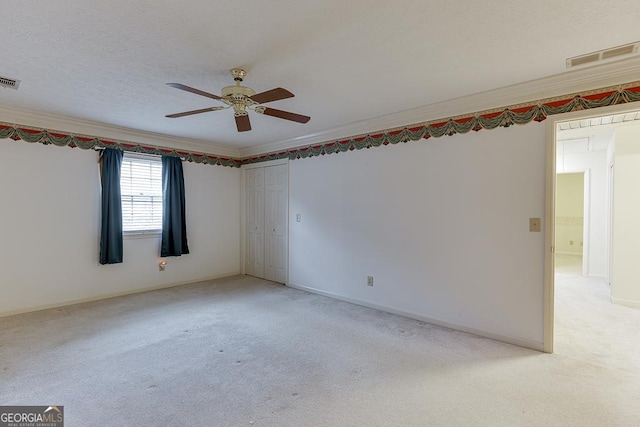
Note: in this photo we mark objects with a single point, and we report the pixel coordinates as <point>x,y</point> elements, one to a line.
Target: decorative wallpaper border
<point>489,119</point>
<point>43,136</point>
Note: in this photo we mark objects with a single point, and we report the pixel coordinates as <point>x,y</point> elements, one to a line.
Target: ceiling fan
<point>241,99</point>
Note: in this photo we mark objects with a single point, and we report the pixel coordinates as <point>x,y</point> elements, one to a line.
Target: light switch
<point>534,225</point>
<point>298,217</point>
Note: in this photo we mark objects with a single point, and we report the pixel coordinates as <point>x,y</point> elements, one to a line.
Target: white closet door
<point>254,212</point>
<point>276,194</point>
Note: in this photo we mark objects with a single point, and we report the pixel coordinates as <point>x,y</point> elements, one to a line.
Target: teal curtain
<point>111,230</point>
<point>174,226</point>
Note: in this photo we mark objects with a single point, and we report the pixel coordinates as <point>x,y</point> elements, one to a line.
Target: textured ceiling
<point>633,116</point>
<point>597,131</point>
<point>108,61</point>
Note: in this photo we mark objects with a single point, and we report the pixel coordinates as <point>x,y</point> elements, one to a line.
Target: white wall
<point>590,156</point>
<point>442,225</point>
<point>49,219</point>
<point>569,213</point>
<point>625,285</point>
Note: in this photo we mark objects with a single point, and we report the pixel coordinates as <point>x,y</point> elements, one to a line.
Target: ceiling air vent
<point>605,55</point>
<point>10,83</point>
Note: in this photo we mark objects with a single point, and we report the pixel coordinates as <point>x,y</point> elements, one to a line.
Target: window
<point>141,187</point>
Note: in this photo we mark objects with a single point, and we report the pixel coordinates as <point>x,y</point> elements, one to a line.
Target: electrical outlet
<point>298,217</point>
<point>369,280</point>
<point>571,242</point>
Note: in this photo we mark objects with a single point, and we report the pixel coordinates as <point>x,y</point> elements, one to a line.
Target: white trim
<point>549,237</point>
<point>586,222</point>
<point>243,219</point>
<point>288,255</point>
<point>610,172</point>
<point>110,295</point>
<point>626,302</point>
<point>533,345</point>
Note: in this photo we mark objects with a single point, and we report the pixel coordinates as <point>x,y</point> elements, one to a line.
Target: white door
<point>254,212</point>
<point>275,223</point>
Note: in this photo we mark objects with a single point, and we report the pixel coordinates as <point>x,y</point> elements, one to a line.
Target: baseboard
<point>626,302</point>
<point>533,345</point>
<point>111,295</point>
<point>568,253</point>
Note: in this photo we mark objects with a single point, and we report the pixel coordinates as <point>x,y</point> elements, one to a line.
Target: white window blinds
<point>141,187</point>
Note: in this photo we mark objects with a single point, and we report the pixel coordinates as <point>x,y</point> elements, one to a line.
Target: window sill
<point>142,234</point>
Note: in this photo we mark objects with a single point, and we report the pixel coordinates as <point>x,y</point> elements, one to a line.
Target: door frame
<point>586,214</point>
<point>610,184</point>
<point>243,217</point>
<point>550,195</point>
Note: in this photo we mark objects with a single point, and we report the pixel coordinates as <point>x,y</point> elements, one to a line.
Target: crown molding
<point>86,127</point>
<point>574,81</point>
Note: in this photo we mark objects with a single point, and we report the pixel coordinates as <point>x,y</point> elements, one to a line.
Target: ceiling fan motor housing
<point>238,97</point>
<point>237,91</point>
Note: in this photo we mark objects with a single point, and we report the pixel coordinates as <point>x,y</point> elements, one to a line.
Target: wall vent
<point>618,52</point>
<point>10,83</point>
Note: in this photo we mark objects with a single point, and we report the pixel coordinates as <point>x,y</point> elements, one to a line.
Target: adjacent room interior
<point>596,312</point>
<point>320,213</point>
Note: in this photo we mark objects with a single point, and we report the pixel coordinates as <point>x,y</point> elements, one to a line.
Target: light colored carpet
<point>588,327</point>
<point>245,352</point>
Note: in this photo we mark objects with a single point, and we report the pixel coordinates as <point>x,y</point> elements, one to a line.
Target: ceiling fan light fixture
<point>240,110</point>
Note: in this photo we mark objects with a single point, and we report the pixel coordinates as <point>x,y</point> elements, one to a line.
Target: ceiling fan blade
<point>242,123</point>
<point>188,113</point>
<point>193,90</point>
<point>286,115</point>
<point>272,95</point>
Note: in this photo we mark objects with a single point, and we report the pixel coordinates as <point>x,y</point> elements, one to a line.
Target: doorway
<point>570,223</point>
<point>579,308</point>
